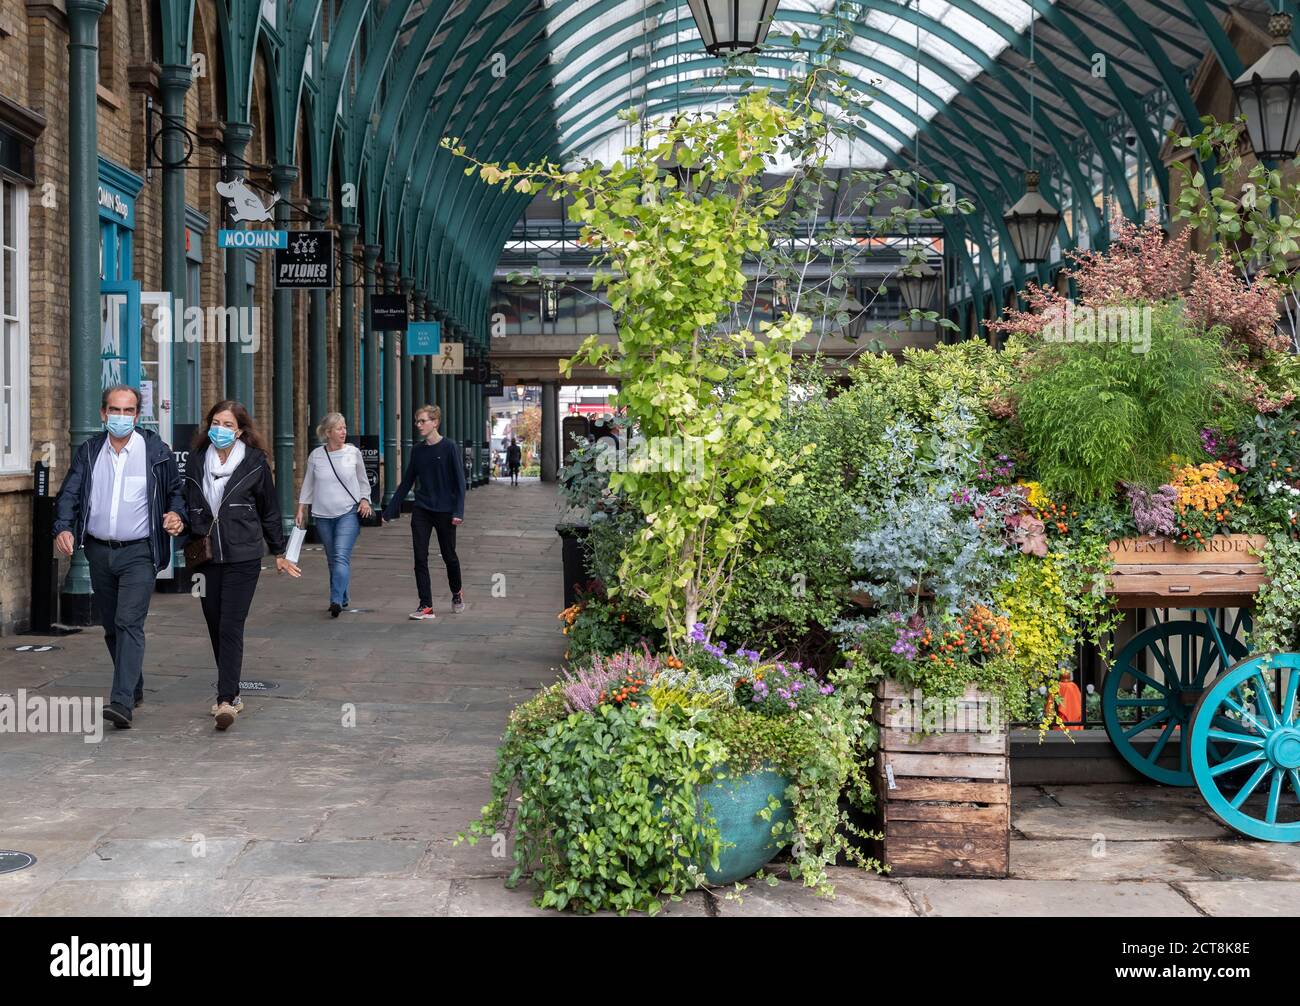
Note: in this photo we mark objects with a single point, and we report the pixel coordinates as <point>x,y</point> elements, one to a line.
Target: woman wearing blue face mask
<point>233,504</point>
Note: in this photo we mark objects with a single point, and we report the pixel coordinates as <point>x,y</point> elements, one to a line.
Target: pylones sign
<point>307,263</point>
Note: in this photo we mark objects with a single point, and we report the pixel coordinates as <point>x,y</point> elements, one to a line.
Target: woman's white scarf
<point>216,475</point>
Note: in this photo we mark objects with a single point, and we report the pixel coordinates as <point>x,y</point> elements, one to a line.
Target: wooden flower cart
<point>1191,686</point>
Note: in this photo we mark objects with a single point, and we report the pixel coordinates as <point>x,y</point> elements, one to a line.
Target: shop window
<point>15,444</point>
<point>107,48</point>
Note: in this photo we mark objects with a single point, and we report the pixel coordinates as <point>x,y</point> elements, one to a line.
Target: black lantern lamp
<point>1267,96</point>
<point>1032,223</point>
<point>918,286</point>
<point>732,27</point>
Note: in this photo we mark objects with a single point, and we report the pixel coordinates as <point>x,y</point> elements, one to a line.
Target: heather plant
<point>1153,510</point>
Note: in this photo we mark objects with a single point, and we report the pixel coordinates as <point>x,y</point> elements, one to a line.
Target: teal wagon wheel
<point>1252,707</point>
<point>1152,687</point>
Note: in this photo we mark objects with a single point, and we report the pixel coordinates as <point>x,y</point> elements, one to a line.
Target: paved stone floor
<point>294,813</point>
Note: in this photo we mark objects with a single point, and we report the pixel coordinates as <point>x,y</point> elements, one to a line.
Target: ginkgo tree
<point>673,221</point>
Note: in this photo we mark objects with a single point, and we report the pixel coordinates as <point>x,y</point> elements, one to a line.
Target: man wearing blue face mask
<point>121,499</point>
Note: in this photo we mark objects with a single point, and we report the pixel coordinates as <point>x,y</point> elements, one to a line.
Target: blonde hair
<point>331,420</point>
<point>434,412</point>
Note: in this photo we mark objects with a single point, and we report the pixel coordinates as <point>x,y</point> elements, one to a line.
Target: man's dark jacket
<point>163,485</point>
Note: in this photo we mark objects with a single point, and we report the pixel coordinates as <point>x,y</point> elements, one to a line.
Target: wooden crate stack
<point>945,795</point>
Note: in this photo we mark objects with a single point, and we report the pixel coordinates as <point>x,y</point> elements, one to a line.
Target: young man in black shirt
<point>439,479</point>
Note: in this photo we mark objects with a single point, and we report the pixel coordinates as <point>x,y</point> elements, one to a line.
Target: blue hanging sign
<point>423,338</point>
<point>253,240</point>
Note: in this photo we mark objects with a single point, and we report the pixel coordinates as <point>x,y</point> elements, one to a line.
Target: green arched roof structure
<point>378,83</point>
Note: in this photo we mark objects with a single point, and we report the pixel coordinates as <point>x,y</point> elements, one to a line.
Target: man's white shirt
<point>119,495</point>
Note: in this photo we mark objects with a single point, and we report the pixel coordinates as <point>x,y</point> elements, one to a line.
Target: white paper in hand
<point>296,537</point>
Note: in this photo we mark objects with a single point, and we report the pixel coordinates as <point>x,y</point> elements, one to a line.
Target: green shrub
<point>1097,414</point>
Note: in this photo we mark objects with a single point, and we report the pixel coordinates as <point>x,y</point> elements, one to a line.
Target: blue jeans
<point>338,535</point>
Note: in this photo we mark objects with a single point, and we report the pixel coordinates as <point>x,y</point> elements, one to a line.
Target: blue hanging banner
<point>255,240</point>
<point>423,338</point>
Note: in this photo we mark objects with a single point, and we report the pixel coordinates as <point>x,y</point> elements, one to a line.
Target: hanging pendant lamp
<point>1268,95</point>
<point>732,27</point>
<point>1032,223</point>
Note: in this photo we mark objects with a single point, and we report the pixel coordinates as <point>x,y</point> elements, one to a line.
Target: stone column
<point>550,431</point>
<point>83,265</point>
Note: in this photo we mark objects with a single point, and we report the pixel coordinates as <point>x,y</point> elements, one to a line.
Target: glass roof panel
<point>649,36</point>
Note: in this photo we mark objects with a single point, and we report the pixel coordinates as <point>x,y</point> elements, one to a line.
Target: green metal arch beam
<point>290,63</point>
<point>1174,81</point>
<point>177,32</point>
<point>343,41</point>
<point>1213,31</point>
<point>669,105</point>
<point>436,113</point>
<point>1054,16</point>
<point>1060,83</point>
<point>381,42</point>
<point>400,79</point>
<point>239,24</point>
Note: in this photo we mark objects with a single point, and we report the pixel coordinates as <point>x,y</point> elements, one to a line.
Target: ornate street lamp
<point>1032,223</point>
<point>730,27</point>
<point>1267,96</point>
<point>918,286</point>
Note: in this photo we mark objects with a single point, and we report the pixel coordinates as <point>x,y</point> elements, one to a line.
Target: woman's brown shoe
<point>226,714</point>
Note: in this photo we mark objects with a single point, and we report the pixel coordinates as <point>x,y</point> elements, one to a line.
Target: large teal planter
<point>736,803</point>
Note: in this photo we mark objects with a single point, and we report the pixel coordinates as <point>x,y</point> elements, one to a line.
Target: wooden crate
<point>944,787</point>
<point>1155,572</point>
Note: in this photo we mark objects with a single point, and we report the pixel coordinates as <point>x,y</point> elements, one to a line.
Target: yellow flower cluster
<point>1202,487</point>
<point>1036,497</point>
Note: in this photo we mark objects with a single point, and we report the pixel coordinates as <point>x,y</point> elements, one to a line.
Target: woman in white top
<point>337,490</point>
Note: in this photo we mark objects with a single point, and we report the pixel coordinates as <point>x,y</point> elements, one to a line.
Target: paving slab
<point>334,898</point>
<point>1245,898</point>
<point>327,859</point>
<point>1153,822</point>
<point>53,860</point>
<point>1247,860</point>
<point>1046,898</point>
<point>157,859</point>
<point>139,898</point>
<point>857,894</point>
<point>1072,859</point>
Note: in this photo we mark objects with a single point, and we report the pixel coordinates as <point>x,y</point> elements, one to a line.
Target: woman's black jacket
<point>249,512</point>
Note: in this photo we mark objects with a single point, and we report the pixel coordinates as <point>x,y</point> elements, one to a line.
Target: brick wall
<point>34,73</point>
